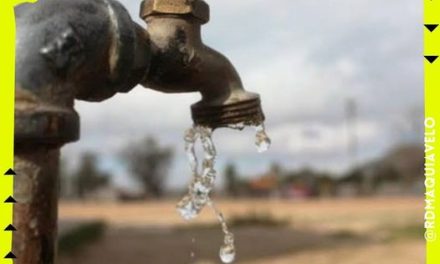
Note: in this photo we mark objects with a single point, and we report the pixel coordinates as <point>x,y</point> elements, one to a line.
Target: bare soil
<point>346,231</point>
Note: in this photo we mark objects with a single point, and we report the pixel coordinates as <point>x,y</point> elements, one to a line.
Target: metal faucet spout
<point>182,63</point>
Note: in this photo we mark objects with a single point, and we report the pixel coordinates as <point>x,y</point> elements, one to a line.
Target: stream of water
<point>203,180</point>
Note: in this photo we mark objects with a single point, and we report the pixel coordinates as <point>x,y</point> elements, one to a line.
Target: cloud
<point>306,59</point>
<point>317,138</point>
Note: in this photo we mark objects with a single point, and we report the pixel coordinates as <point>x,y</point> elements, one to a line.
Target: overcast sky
<point>306,58</point>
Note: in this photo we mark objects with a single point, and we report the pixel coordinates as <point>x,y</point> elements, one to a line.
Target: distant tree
<point>149,164</point>
<point>65,185</point>
<point>325,185</point>
<point>276,169</point>
<point>232,181</point>
<point>387,174</point>
<point>88,177</point>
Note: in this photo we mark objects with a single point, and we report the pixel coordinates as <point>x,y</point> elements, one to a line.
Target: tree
<point>88,177</point>
<point>65,186</point>
<point>276,169</point>
<point>232,181</point>
<point>149,163</point>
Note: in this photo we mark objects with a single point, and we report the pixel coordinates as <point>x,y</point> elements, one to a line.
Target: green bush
<point>265,219</point>
<point>79,236</point>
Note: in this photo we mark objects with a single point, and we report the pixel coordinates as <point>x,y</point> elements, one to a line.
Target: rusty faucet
<point>91,50</point>
<point>182,63</point>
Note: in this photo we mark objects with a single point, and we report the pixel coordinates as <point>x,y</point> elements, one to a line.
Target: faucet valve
<point>198,9</point>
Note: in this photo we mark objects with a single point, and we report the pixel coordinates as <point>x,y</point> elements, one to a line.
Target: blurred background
<point>341,84</point>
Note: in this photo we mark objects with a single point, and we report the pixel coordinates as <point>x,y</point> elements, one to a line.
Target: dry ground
<point>346,231</point>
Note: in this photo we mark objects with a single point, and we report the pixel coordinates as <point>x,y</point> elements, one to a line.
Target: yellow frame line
<point>432,119</point>
<point>7,84</point>
<point>7,88</point>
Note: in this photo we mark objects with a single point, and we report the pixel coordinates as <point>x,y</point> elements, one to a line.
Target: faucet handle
<point>199,9</point>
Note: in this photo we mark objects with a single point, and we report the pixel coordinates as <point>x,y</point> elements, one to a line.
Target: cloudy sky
<point>307,59</point>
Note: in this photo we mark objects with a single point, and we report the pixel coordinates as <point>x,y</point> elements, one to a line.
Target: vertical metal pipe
<point>35,213</point>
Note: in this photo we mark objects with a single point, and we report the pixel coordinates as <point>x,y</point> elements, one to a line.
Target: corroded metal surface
<point>246,112</point>
<point>35,213</point>
<point>195,8</point>
<point>84,49</point>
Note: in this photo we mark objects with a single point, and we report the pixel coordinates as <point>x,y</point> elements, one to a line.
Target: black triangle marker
<point>10,199</point>
<point>431,59</point>
<point>10,228</point>
<point>10,172</point>
<point>10,255</point>
<point>431,27</point>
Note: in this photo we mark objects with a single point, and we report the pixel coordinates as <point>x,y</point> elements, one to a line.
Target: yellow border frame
<point>432,113</point>
<point>7,84</point>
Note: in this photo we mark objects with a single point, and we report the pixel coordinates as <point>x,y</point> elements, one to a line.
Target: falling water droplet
<point>203,181</point>
<point>187,208</point>
<point>227,253</point>
<point>262,140</point>
<point>208,145</point>
<point>238,126</point>
<point>201,187</point>
<point>198,194</point>
<point>190,138</point>
<point>192,253</point>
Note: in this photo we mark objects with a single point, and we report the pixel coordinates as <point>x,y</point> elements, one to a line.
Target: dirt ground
<point>342,231</point>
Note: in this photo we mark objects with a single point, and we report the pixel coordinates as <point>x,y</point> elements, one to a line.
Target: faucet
<point>182,63</point>
<point>91,50</point>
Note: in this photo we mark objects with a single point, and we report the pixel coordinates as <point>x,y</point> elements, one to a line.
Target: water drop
<point>203,181</point>
<point>187,208</point>
<point>208,145</point>
<point>262,140</point>
<point>262,145</point>
<point>190,153</point>
<point>209,174</point>
<point>229,238</point>
<point>202,187</point>
<point>227,253</point>
<point>190,135</point>
<point>238,126</point>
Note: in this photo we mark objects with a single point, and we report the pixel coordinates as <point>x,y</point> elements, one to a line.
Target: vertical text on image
<point>430,172</point>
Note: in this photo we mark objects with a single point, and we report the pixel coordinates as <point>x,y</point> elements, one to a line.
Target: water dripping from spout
<point>262,140</point>
<point>203,180</point>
